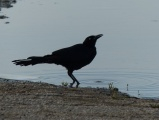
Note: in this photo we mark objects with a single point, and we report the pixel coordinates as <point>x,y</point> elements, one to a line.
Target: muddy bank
<point>41,101</point>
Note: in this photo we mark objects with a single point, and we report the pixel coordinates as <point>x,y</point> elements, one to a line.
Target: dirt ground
<point>42,101</point>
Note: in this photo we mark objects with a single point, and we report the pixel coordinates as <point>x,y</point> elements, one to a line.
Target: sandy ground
<point>42,101</point>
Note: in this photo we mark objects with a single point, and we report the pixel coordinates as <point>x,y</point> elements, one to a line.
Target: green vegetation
<point>113,91</point>
<point>154,105</point>
<point>65,84</point>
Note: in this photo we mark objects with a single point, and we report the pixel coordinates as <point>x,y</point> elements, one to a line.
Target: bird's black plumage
<point>72,58</point>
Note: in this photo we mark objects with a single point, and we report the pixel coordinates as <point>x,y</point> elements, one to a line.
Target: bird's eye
<point>90,38</point>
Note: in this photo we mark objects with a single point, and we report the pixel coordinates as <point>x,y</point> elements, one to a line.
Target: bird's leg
<point>76,81</point>
<point>70,74</point>
<point>73,78</point>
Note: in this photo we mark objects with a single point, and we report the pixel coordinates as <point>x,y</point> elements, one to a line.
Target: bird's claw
<point>71,85</point>
<point>77,85</point>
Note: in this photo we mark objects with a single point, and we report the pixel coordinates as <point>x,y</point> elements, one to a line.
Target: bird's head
<point>91,40</point>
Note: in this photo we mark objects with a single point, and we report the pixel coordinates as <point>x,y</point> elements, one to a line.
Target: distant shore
<point>23,100</point>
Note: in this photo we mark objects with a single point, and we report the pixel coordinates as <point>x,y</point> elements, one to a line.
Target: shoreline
<point>38,100</point>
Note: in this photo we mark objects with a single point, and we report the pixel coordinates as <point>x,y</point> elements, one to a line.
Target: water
<point>126,54</point>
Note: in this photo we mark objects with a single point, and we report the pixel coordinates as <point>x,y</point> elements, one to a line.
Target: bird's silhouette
<point>72,58</point>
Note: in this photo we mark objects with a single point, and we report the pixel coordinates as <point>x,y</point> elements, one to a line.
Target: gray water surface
<point>126,54</point>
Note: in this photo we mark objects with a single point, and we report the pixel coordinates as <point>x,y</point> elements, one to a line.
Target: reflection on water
<point>6,4</point>
<point>127,54</point>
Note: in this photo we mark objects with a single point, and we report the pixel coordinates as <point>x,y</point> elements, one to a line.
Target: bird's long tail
<point>32,60</point>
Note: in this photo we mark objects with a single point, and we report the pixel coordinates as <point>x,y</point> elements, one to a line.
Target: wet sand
<point>22,100</point>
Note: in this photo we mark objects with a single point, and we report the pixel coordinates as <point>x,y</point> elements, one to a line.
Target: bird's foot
<point>71,85</point>
<point>77,85</point>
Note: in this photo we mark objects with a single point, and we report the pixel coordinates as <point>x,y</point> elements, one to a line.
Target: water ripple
<point>140,83</point>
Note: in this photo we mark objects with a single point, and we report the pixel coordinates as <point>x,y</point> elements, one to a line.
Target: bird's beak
<point>98,36</point>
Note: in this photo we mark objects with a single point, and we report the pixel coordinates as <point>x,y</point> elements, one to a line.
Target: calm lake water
<point>126,54</point>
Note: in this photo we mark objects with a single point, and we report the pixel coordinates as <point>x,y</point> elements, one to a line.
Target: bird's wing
<point>74,54</point>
